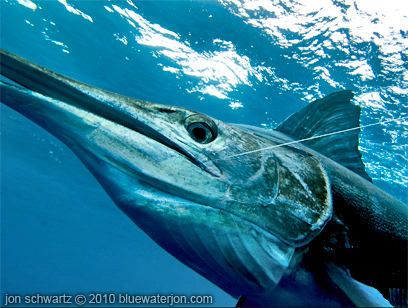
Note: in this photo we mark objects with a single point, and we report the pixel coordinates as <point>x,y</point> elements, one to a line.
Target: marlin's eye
<point>201,128</point>
<point>200,132</point>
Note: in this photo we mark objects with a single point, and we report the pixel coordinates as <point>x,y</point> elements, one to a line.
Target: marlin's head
<point>235,220</point>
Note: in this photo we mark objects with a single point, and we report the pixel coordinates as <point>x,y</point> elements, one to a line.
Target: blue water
<point>252,62</point>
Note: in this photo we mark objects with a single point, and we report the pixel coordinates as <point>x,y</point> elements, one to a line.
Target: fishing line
<point>314,137</point>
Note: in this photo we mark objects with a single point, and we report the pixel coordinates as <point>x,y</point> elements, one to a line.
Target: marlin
<point>299,223</point>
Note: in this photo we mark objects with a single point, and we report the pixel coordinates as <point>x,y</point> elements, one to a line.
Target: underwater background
<point>251,62</point>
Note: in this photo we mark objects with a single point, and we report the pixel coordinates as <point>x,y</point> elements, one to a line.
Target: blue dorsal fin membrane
<point>330,114</point>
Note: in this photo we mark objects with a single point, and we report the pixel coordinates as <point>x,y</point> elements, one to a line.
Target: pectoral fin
<point>360,294</point>
<point>245,302</point>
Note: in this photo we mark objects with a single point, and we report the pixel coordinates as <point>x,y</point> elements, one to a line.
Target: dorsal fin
<point>332,113</point>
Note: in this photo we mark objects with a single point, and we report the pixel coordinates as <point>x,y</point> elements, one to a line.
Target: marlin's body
<point>299,224</point>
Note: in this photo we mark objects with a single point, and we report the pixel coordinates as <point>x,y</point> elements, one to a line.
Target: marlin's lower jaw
<point>153,184</point>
